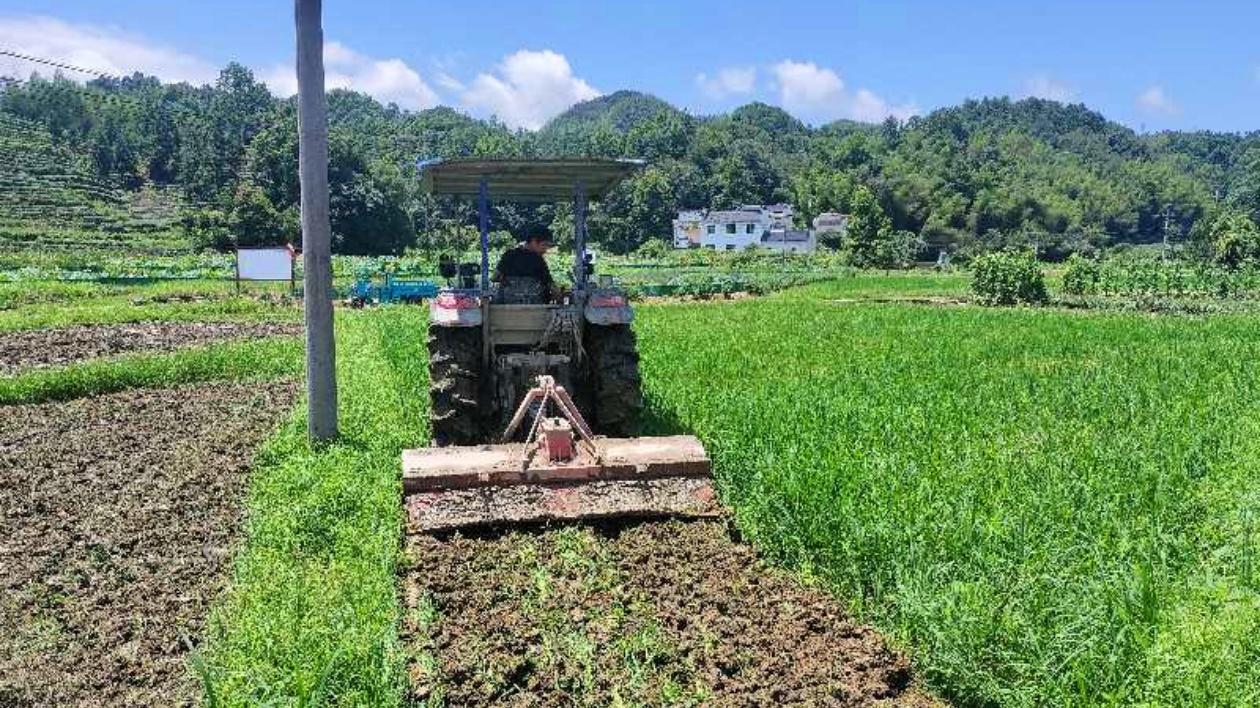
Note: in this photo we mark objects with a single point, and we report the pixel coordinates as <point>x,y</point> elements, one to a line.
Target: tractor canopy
<point>540,180</point>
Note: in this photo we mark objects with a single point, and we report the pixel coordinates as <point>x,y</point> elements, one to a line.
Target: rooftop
<point>730,217</point>
<point>831,217</point>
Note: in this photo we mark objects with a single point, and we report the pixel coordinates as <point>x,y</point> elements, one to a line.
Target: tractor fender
<point>455,309</point>
<point>608,308</point>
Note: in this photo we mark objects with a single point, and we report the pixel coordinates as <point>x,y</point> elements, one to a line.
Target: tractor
<point>535,402</point>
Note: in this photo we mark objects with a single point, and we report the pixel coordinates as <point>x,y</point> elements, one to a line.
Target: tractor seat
<point>520,291</point>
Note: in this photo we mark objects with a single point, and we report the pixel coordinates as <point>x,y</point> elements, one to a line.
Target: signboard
<point>264,264</point>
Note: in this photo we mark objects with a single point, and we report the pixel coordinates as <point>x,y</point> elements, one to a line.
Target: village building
<point>733,230</point>
<point>830,221</point>
<point>790,241</point>
<point>768,226</point>
<point>688,227</point>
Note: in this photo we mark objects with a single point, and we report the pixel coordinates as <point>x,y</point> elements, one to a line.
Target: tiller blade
<point>562,472</point>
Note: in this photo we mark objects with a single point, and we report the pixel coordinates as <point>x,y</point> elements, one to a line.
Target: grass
<point>122,309</point>
<point>882,286</point>
<point>1050,508</point>
<point>260,359</point>
<point>102,291</point>
<point>312,612</point>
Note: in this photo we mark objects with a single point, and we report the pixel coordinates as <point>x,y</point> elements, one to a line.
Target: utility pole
<point>1167,217</point>
<point>321,373</point>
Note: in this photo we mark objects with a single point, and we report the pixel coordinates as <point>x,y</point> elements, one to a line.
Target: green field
<point>1049,508</point>
<point>1045,507</point>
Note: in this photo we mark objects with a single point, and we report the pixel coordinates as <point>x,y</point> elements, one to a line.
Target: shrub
<point>207,229</point>
<point>1008,278</point>
<point>1235,240</point>
<point>1081,275</point>
<point>653,248</point>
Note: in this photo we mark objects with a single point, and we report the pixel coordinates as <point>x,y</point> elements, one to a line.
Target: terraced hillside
<point>49,200</point>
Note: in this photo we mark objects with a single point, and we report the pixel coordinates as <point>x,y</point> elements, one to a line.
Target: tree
<point>114,148</point>
<point>744,175</point>
<point>1246,194</point>
<point>271,160</point>
<point>897,250</point>
<point>959,176</point>
<point>1235,240</point>
<point>821,190</point>
<point>202,169</point>
<point>58,103</point>
<point>652,209</point>
<point>239,107</point>
<point>254,220</point>
<point>869,229</point>
<point>666,134</point>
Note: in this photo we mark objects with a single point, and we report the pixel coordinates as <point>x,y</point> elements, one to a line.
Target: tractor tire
<point>616,391</point>
<point>455,385</point>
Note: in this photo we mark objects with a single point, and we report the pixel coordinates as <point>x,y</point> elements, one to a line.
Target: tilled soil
<point>54,347</point>
<point>117,516</point>
<point>668,613</point>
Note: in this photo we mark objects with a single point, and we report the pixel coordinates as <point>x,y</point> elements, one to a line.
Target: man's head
<point>537,241</point>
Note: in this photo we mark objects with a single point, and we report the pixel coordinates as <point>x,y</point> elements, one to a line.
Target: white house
<point>764,226</point>
<point>725,230</point>
<point>733,230</point>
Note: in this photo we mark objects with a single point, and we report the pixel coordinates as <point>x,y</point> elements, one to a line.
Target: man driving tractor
<point>524,267</point>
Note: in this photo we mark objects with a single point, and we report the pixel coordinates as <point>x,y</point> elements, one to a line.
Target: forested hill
<point>986,173</point>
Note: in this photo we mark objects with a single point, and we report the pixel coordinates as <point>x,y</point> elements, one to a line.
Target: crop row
<point>1165,279</point>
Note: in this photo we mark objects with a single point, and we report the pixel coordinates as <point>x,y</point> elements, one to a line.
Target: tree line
<point>984,175</point>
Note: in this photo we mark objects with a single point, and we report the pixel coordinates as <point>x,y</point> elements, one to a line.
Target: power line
<point>57,64</point>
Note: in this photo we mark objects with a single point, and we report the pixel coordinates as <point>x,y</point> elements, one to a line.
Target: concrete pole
<point>321,373</point>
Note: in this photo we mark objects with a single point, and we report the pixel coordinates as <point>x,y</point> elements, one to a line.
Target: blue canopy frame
<point>544,180</point>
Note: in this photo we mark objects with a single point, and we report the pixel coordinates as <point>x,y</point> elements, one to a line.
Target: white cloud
<point>527,89</point>
<point>731,80</point>
<point>448,82</point>
<point>1049,88</point>
<point>819,94</point>
<point>1156,101</point>
<point>806,84</point>
<point>387,80</point>
<point>104,49</point>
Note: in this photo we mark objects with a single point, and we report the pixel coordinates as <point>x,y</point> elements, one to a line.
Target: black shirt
<point>520,262</point>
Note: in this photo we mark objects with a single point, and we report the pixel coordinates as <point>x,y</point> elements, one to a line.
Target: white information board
<point>264,264</point>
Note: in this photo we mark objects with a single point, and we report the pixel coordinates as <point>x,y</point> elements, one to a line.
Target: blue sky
<point>1150,65</point>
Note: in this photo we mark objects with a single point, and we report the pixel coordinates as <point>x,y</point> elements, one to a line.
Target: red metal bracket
<point>544,393</point>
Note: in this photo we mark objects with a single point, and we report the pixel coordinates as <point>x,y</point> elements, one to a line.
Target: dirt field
<point>54,347</point>
<point>666,613</point>
<point>117,516</point>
